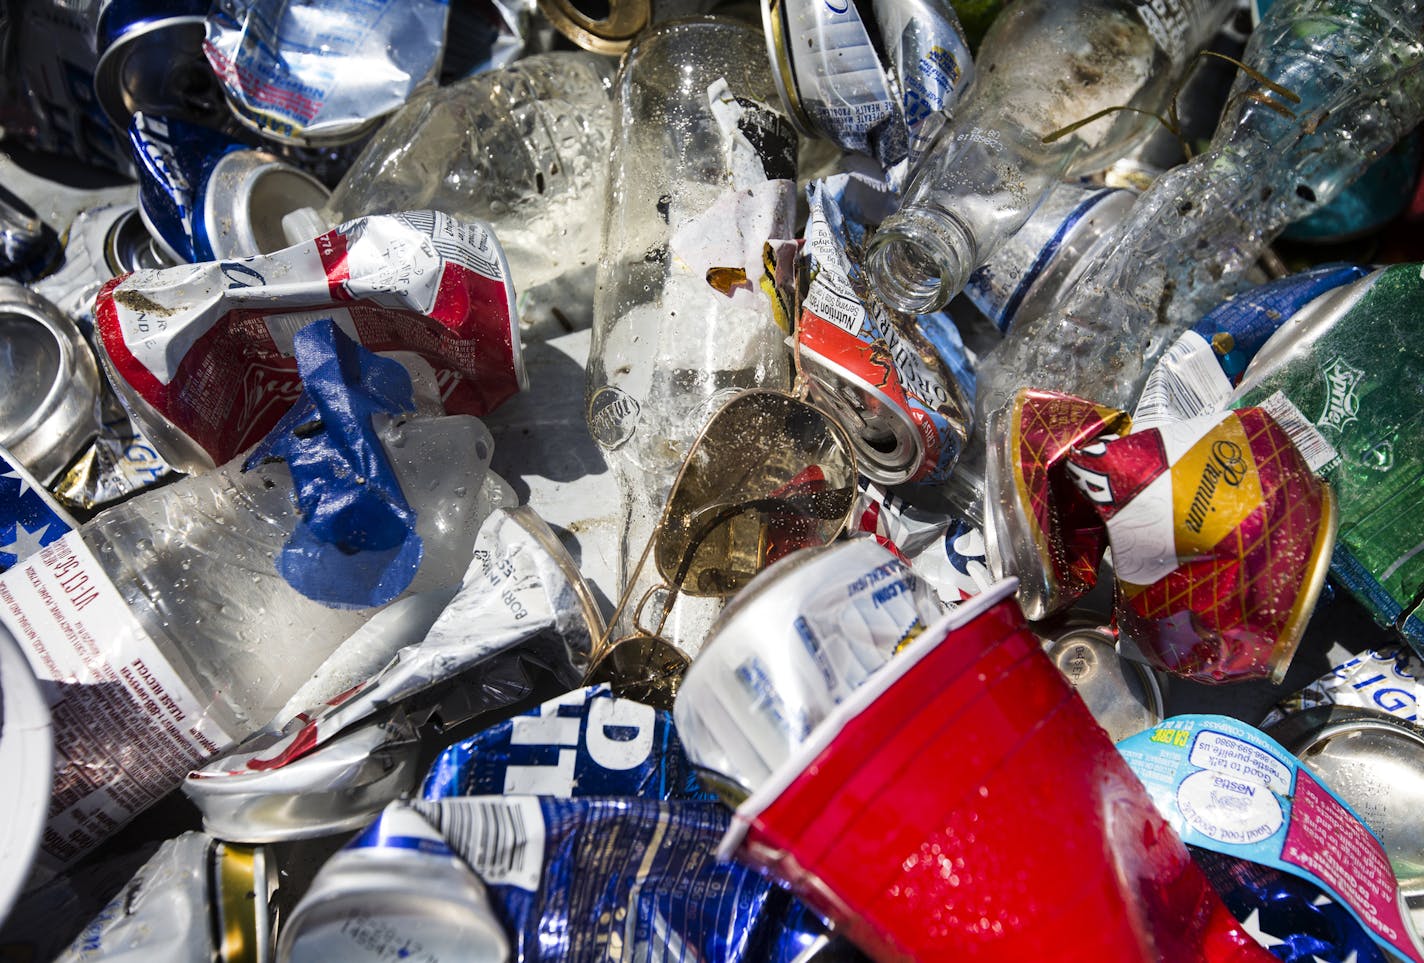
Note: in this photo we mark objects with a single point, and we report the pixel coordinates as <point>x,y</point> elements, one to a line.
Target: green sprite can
<point>1344,377</point>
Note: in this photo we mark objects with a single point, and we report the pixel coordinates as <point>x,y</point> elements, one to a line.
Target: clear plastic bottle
<point>703,175</point>
<point>166,632</point>
<point>524,147</point>
<point>1044,65</point>
<point>1357,67</point>
<point>196,563</point>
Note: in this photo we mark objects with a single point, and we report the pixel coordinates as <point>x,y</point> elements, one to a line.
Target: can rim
<point>110,68</point>
<point>899,465</point>
<point>612,35</point>
<point>783,70</point>
<point>50,436</point>
<point>825,733</point>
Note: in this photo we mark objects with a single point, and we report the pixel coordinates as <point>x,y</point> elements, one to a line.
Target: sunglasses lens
<point>643,668</point>
<point>769,475</point>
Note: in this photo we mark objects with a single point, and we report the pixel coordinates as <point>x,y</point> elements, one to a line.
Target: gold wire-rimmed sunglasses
<point>768,474</point>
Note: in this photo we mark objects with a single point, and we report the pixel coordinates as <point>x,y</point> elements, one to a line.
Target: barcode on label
<point>1314,447</point>
<point>283,328</point>
<point>501,837</point>
<point>1187,382</point>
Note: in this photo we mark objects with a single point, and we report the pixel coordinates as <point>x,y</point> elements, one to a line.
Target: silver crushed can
<point>397,891</point>
<point>51,383</point>
<point>324,71</point>
<point>1027,273</point>
<point>1375,762</point>
<point>1124,695</point>
<point>791,646</point>
<point>868,85</point>
<point>197,898</point>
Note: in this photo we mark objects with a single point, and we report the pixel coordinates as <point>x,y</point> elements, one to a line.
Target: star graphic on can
<point>23,542</point>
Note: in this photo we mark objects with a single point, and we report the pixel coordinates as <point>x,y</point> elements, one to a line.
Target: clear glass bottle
<point>703,175</point>
<point>524,147</point>
<point>1357,67</point>
<point>1044,65</point>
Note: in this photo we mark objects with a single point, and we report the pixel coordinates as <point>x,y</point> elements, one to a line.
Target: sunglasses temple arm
<point>600,650</point>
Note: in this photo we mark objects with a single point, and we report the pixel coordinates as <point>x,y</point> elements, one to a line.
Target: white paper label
<point>1187,382</point>
<point>1314,447</point>
<point>501,837</point>
<point>126,728</point>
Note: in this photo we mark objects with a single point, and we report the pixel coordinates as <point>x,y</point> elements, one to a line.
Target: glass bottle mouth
<point>919,259</point>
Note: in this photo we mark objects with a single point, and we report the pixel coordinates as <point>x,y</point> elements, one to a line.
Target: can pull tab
<point>303,224</point>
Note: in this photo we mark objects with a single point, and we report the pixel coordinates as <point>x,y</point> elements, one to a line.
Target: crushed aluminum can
<point>945,551</point>
<point>119,462</point>
<point>1197,374</point>
<point>1285,910</point>
<point>102,243</point>
<point>1221,541</point>
<point>324,71</point>
<point>558,872</point>
<point>334,790</point>
<point>397,891</point>
<point>1124,695</point>
<point>51,383</point>
<point>611,34</point>
<point>1342,378</point>
<point>1035,263</point>
<point>206,197</point>
<point>887,383</point>
<point>1380,680</point>
<point>29,248</point>
<point>1375,762</point>
<point>521,600</point>
<point>583,743</point>
<point>1221,534</point>
<point>196,900</point>
<point>1049,542</point>
<point>868,86</point>
<point>151,59</point>
<point>202,355</point>
<point>798,641</point>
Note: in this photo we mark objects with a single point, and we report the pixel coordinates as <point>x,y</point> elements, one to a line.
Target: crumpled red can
<point>1220,533</point>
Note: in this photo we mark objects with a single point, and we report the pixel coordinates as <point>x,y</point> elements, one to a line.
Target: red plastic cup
<point>964,805</point>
